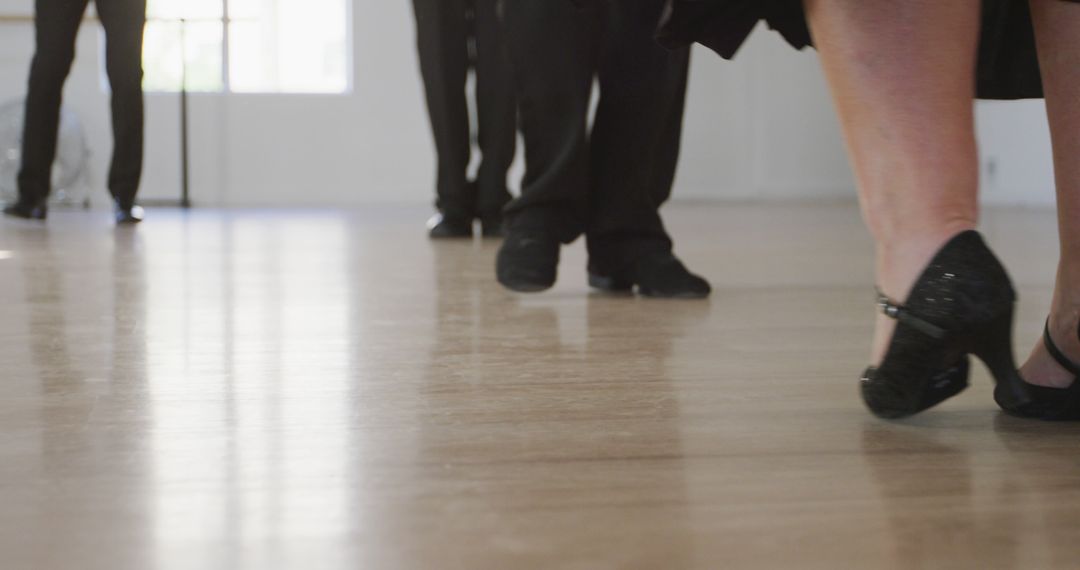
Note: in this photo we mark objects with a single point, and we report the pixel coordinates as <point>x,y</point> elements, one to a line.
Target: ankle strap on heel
<point>1062,360</point>
<point>894,310</point>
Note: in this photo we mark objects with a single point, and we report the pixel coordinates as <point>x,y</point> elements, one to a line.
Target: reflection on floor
<point>302,389</point>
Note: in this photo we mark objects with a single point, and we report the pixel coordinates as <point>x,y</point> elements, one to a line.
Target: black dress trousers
<point>452,37</point>
<point>57,25</point>
<point>608,182</point>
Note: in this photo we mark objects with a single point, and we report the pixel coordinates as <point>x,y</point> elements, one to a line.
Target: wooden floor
<point>305,389</point>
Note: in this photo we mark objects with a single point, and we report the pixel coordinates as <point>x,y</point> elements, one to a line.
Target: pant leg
<point>56,25</point>
<point>636,137</point>
<point>552,48</point>
<point>442,45</point>
<point>124,21</point>
<point>496,111</point>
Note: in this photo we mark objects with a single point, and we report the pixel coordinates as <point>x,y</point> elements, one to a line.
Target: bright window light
<point>288,46</point>
<point>263,46</point>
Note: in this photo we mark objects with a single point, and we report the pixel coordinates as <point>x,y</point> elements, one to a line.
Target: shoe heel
<point>993,345</point>
<point>611,284</point>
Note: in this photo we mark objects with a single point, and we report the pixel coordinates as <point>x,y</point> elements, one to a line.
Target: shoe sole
<point>679,296</point>
<point>525,287</point>
<point>31,218</point>
<point>610,284</point>
<point>626,287</point>
<point>932,391</point>
<point>450,236</point>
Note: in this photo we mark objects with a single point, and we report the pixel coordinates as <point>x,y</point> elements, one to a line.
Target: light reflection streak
<point>247,380</point>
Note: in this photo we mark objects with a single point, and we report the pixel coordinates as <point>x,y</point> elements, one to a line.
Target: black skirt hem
<point>1008,65</point>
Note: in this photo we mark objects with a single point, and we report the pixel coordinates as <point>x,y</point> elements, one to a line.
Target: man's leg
<point>497,115</point>
<point>442,44</point>
<point>635,150</point>
<point>56,25</point>
<point>124,21</point>
<point>552,47</point>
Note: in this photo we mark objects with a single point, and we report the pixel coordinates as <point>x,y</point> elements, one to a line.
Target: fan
<point>69,186</point>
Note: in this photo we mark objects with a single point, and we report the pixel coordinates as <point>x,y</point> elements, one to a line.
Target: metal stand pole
<point>185,185</point>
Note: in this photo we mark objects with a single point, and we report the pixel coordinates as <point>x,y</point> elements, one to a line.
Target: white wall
<point>762,126</point>
<point>758,128</point>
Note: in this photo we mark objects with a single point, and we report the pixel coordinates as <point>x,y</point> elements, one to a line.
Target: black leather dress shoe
<point>527,262</point>
<point>659,275</point>
<point>491,227</point>
<point>27,211</point>
<point>129,216</point>
<point>443,227</point>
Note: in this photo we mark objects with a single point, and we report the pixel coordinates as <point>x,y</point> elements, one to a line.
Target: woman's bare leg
<point>1057,27</point>
<point>903,77</point>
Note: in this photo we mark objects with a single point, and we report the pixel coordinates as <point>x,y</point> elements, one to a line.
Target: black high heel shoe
<point>1052,404</point>
<point>961,304</point>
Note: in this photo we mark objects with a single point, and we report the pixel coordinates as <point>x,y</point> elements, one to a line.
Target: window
<point>248,46</point>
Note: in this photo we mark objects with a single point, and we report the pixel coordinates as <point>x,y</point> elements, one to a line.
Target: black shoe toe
<point>129,216</point>
<point>659,275</point>
<point>610,284</point>
<point>27,210</point>
<point>527,263</point>
<point>444,227</point>
<point>492,227</point>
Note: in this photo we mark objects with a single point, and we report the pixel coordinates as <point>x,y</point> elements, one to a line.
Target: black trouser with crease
<point>57,25</point>
<point>449,42</point>
<point>608,183</point>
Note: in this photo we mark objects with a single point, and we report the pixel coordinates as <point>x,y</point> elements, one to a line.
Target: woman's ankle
<point>901,259</point>
<point>1062,326</point>
<point>1065,305</point>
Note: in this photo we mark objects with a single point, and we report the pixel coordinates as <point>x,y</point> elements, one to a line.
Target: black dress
<point>1008,67</point>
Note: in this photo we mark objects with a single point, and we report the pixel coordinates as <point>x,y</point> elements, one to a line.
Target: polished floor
<point>310,389</point>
